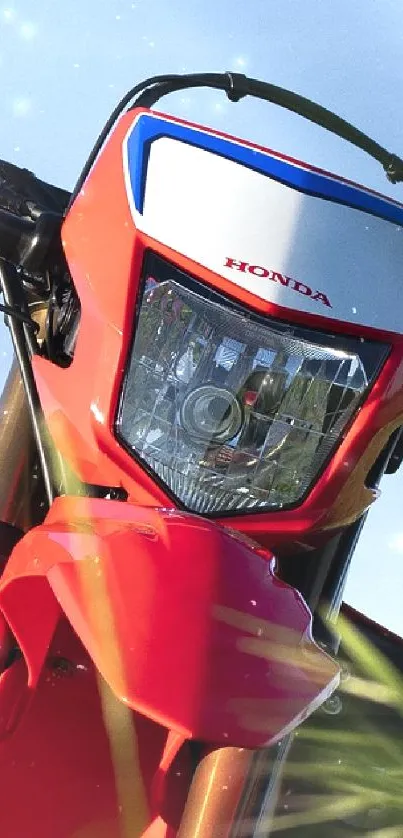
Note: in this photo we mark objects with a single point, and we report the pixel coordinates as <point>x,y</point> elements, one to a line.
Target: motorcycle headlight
<point>234,412</point>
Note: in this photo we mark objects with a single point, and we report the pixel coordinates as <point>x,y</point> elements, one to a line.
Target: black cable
<point>23,344</point>
<point>49,331</point>
<point>12,311</point>
<point>237,86</point>
<point>120,107</point>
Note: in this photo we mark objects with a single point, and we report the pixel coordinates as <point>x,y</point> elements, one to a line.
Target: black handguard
<point>26,196</point>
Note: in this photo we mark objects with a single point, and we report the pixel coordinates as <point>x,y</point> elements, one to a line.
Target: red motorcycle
<point>204,399</point>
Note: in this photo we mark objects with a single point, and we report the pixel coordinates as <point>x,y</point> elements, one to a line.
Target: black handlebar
<point>30,210</point>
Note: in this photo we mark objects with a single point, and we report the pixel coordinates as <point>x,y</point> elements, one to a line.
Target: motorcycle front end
<point>197,425</point>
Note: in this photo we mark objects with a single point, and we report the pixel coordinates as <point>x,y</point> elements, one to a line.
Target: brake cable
<point>237,86</point>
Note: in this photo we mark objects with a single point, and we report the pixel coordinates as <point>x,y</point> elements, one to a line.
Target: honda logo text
<point>274,276</point>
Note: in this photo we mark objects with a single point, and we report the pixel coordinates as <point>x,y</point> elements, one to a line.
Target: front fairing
<point>187,623</point>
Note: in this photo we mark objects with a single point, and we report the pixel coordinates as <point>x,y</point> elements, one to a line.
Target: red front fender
<point>186,621</point>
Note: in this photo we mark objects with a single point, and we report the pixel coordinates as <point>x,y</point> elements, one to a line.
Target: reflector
<point>233,412</point>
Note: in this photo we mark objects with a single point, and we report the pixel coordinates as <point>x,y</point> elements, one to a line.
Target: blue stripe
<point>147,129</point>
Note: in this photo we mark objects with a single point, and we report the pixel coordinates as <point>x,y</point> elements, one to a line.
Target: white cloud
<point>27,31</point>
<point>8,15</point>
<point>395,543</point>
<point>241,61</point>
<point>21,106</point>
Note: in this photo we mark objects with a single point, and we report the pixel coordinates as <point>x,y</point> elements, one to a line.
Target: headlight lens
<point>230,411</point>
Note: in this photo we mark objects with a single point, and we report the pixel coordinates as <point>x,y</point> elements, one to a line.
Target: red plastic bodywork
<point>105,254</point>
<point>59,774</point>
<point>186,622</point>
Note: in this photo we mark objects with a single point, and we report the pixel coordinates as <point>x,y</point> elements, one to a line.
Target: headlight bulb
<point>211,413</point>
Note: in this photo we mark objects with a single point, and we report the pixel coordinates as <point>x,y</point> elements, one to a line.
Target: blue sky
<point>64,65</point>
